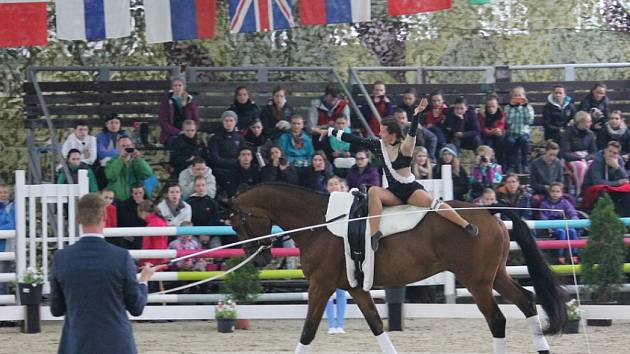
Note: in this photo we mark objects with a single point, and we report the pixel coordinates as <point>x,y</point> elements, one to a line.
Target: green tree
<point>242,285</point>
<point>603,257</point>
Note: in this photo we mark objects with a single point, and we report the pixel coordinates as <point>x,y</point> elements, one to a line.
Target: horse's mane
<point>282,185</point>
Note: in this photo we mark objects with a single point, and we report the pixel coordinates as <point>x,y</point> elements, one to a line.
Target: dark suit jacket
<point>93,284</point>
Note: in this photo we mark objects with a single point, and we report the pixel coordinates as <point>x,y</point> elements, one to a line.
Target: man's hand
<point>147,272</point>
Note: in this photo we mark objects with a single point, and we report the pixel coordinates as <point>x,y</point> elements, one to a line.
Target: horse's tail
<point>548,290</point>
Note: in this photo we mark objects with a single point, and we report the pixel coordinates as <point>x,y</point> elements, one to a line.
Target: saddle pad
<point>340,203</point>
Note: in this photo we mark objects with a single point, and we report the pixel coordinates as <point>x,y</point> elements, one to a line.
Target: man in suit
<point>93,284</point>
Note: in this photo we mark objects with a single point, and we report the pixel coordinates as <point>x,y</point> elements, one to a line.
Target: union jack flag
<point>260,15</point>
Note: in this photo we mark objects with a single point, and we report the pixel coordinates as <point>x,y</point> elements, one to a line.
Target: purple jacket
<point>369,177</point>
<point>167,123</point>
<point>469,125</point>
<point>562,204</point>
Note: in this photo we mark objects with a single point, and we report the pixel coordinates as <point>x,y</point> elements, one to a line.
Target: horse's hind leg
<point>496,321</point>
<point>524,300</point>
<point>317,299</point>
<point>366,304</point>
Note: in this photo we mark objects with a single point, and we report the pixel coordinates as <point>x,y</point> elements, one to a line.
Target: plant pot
<point>571,327</point>
<point>225,325</point>
<point>30,294</point>
<point>599,322</point>
<point>243,324</point>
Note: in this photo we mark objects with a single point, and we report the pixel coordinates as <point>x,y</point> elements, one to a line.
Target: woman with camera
<point>126,169</point>
<point>277,168</point>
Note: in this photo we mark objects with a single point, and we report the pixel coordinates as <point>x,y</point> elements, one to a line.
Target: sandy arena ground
<point>280,336</point>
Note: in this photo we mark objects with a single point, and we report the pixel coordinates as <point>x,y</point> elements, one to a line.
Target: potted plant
<point>603,256</point>
<point>30,287</point>
<point>573,318</point>
<point>225,314</point>
<point>242,285</point>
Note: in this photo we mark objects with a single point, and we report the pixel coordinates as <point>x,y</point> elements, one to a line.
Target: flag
<point>260,15</point>
<point>23,23</point>
<point>174,20</point>
<point>320,12</point>
<point>93,20</point>
<point>407,7</point>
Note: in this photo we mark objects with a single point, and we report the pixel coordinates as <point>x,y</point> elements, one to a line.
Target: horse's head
<point>251,223</point>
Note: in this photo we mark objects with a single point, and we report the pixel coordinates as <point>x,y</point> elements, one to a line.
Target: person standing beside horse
<point>94,284</point>
<point>395,155</point>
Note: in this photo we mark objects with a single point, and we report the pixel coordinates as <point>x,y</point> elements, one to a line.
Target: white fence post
<point>20,223</point>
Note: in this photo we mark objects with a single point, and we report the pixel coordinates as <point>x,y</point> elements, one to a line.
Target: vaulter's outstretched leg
<point>422,198</point>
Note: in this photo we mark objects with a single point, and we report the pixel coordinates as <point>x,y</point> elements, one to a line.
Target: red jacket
<point>429,119</point>
<point>167,112</point>
<point>111,218</point>
<point>487,129</point>
<point>154,242</point>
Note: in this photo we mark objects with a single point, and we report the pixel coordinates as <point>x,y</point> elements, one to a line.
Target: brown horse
<point>433,246</point>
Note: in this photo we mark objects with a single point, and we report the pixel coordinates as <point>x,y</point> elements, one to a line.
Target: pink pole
<point>234,252</point>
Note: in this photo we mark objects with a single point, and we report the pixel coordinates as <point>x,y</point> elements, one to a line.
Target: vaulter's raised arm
<point>409,143</point>
<point>363,143</point>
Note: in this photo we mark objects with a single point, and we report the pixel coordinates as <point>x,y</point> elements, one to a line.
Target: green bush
<point>242,285</point>
<point>603,257</point>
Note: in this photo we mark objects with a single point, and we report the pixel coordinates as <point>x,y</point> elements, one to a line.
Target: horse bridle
<point>243,215</point>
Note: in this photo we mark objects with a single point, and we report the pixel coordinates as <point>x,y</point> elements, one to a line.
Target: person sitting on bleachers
<point>246,110</point>
<point>255,134</point>
<point>324,108</point>
<point>462,125</point>
<point>205,211</point>
<point>544,171</point>
<point>172,208</point>
<point>187,242</point>
<point>513,195</point>
<point>297,144</point>
<point>223,146</point>
<point>185,147</point>
<point>485,172</point>
<point>107,140</point>
<point>492,124</point>
<point>276,115</point>
<point>277,168</point>
<point>81,140</point>
<point>421,166</point>
<point>149,213</point>
<point>424,137</point>
<point>175,108</point>
<point>198,169</point>
<point>578,148</point>
<point>127,216</point>
<point>335,148</point>
<point>111,214</point>
<point>617,130</point>
<point>555,201</point>
<point>126,169</point>
<point>607,170</point>
<point>461,183</point>
<point>409,101</point>
<point>434,117</point>
<point>488,197</point>
<point>246,172</point>
<point>383,106</point>
<point>317,173</point>
<point>596,104</point>
<point>519,115</point>
<point>557,113</point>
<point>73,161</point>
<point>363,173</point>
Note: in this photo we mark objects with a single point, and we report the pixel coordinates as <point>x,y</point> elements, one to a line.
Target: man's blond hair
<point>91,209</point>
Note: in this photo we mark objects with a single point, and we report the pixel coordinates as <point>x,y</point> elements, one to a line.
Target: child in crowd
<point>187,242</point>
<point>335,323</point>
<point>172,208</point>
<point>615,129</point>
<point>485,172</point>
<point>492,125</point>
<point>463,126</point>
<point>81,140</point>
<point>435,117</point>
<point>246,109</point>
<point>409,101</point>
<point>596,104</point>
<point>383,106</point>
<point>297,144</point>
<point>557,113</point>
<point>555,200</point>
<point>337,148</point>
<point>111,218</point>
<point>149,213</point>
<point>421,164</point>
<point>519,115</point>
<point>205,211</point>
<point>488,197</point>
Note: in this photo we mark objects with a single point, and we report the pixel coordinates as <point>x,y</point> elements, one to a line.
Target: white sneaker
<point>332,330</point>
<point>340,330</point>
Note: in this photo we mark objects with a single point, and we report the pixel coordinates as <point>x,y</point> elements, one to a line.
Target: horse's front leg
<point>317,299</point>
<point>366,304</point>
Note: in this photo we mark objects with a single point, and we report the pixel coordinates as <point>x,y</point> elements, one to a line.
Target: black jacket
<point>573,140</point>
<point>556,117</point>
<point>223,149</point>
<point>271,173</point>
<point>205,211</point>
<point>182,149</point>
<point>461,183</point>
<point>246,112</point>
<point>239,176</point>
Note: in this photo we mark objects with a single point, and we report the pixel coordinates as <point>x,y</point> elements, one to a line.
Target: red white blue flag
<point>92,20</point>
<point>174,20</point>
<point>260,15</point>
<point>23,23</point>
<point>320,12</point>
<point>407,7</point>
